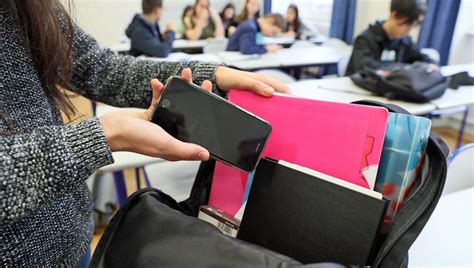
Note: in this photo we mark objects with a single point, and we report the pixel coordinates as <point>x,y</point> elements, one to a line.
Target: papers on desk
<point>263,40</point>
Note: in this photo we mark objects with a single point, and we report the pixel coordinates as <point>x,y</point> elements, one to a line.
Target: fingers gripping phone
<point>191,114</point>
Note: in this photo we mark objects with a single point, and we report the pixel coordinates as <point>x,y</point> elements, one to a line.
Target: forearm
<point>194,34</point>
<point>37,167</point>
<point>219,27</point>
<point>123,81</point>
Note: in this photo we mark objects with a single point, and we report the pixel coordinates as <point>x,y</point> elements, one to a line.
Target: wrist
<point>112,132</point>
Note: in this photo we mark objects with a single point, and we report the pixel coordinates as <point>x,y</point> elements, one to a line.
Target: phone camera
<point>165,103</point>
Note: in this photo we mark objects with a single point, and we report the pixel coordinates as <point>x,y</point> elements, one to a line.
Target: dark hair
<point>244,15</point>
<point>278,20</point>
<point>149,5</point>
<point>186,9</point>
<point>409,10</point>
<point>297,21</point>
<point>196,3</point>
<point>50,43</point>
<point>222,14</point>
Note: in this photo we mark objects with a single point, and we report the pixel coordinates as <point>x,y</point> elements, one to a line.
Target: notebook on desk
<point>310,216</point>
<point>338,139</point>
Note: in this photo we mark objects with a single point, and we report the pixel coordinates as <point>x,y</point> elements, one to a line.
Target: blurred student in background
<point>245,37</point>
<point>386,42</point>
<point>251,11</point>
<point>145,35</point>
<point>185,21</point>
<point>205,22</point>
<point>295,27</point>
<point>228,18</point>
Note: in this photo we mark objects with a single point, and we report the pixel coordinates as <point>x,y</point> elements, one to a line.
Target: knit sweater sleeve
<point>39,166</point>
<point>123,81</point>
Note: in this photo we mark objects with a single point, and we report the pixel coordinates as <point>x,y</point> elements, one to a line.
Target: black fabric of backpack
<point>152,230</point>
<point>407,82</point>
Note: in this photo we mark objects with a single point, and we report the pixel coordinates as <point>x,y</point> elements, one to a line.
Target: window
<point>315,13</point>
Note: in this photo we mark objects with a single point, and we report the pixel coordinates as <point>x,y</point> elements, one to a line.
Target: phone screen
<point>231,134</point>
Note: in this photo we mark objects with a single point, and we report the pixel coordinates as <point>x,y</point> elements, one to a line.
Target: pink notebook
<point>341,140</point>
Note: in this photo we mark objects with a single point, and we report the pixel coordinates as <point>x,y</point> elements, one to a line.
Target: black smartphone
<point>231,134</point>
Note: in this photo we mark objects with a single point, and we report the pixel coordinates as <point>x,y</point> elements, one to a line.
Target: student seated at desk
<point>295,27</point>
<point>228,18</point>
<point>245,37</point>
<point>205,22</point>
<point>185,21</point>
<point>145,35</point>
<point>251,11</point>
<point>388,41</point>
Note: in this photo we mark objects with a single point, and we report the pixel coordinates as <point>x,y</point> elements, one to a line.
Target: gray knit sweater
<point>45,209</point>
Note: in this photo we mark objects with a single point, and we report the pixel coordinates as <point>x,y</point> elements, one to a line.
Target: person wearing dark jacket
<point>388,41</point>
<point>245,37</point>
<point>145,35</point>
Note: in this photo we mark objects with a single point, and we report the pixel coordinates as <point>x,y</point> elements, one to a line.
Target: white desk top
<point>448,238</point>
<point>183,44</point>
<point>177,45</point>
<point>291,57</point>
<point>184,57</point>
<point>317,55</point>
<point>453,69</point>
<point>250,62</point>
<point>343,90</point>
<point>464,95</point>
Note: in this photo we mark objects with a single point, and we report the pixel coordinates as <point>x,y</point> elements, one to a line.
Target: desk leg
<point>147,179</point>
<point>137,177</point>
<point>94,108</point>
<point>461,109</point>
<point>463,125</point>
<point>119,180</point>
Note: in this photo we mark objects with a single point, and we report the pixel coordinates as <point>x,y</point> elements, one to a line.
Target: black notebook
<point>311,219</point>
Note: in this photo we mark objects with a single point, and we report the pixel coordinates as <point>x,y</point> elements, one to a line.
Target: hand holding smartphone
<point>193,115</point>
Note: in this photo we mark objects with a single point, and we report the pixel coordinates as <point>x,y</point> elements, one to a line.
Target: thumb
<point>187,151</point>
<point>157,88</point>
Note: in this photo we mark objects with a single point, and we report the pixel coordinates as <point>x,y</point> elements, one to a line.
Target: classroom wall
<point>462,52</point>
<point>106,20</point>
<point>462,46</point>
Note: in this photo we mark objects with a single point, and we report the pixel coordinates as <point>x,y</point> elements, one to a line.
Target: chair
<point>460,169</point>
<point>278,75</point>
<point>432,54</point>
<point>342,66</point>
